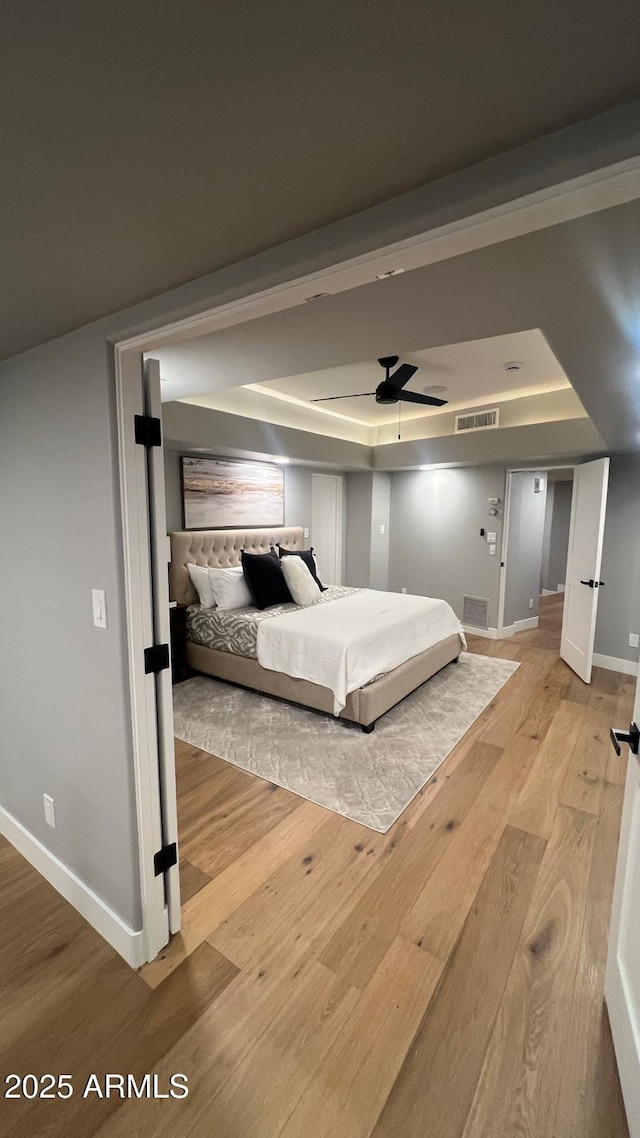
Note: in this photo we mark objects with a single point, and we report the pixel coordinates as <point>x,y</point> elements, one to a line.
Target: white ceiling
<point>573,285</point>
<point>473,373</point>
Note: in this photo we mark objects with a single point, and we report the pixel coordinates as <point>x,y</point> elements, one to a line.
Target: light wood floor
<point>443,979</point>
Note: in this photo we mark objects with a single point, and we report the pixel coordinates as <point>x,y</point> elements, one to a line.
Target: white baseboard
<point>488,633</point>
<point>503,633</point>
<point>517,626</point>
<point>126,941</point>
<point>615,664</point>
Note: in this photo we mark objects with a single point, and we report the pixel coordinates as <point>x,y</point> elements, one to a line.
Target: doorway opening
<point>535,551</point>
<point>148,696</point>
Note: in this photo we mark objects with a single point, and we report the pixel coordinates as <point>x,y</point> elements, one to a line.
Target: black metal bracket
<point>156,658</point>
<point>148,431</point>
<point>165,859</point>
<point>632,737</point>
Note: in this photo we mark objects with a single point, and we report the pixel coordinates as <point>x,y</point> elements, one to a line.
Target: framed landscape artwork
<point>224,493</point>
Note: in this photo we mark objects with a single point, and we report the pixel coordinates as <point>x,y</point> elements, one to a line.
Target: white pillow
<point>300,583</point>
<point>229,588</point>
<point>200,578</point>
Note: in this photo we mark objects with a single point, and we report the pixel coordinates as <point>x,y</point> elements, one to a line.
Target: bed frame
<point>221,549</point>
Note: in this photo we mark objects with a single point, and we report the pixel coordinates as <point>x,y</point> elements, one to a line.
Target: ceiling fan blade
<point>401,376</point>
<point>326,398</point>
<point>426,400</point>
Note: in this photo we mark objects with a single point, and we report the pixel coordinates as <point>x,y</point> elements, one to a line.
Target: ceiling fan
<point>391,389</point>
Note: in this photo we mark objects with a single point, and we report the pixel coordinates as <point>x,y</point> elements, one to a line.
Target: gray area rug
<point>369,778</point>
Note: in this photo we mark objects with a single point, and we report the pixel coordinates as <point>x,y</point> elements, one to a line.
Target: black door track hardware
<point>632,737</point>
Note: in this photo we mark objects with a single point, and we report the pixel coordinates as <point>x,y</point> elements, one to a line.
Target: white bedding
<point>344,644</point>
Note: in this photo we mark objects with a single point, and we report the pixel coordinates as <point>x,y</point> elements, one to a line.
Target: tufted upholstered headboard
<point>220,548</point>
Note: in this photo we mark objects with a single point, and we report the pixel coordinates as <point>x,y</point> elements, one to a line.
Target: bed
<point>236,662</point>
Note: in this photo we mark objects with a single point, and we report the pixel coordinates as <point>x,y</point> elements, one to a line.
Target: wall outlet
<point>530,602</point>
<point>99,602</point>
<point>381,529</point>
<point>492,550</point>
<point>306,532</point>
<point>49,810</point>
<point>403,590</point>
<point>634,640</point>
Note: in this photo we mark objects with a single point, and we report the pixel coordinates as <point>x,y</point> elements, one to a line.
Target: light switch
<point>491,538</point>
<point>306,533</point>
<point>381,529</point>
<point>492,550</point>
<point>99,601</point>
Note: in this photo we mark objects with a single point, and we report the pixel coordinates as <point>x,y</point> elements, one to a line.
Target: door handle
<point>632,737</point>
<point>592,584</point>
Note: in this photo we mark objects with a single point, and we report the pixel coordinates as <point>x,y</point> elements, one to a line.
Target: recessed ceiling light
<point>389,273</point>
<point>435,389</point>
<point>513,365</point>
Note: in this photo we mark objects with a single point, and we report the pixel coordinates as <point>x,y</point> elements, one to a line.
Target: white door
<point>326,526</point>
<point>622,983</point>
<point>160,556</point>
<point>586,532</point>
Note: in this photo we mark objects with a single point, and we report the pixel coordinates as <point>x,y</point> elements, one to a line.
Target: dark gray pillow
<point>309,560</point>
<point>264,576</point>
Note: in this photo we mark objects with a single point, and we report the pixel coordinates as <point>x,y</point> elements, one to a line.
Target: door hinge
<point>148,431</point>
<point>165,859</point>
<point>156,658</point>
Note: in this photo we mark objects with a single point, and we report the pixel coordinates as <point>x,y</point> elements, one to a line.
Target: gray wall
<point>379,542</point>
<point>359,489</point>
<point>546,535</point>
<point>619,601</point>
<point>64,702</point>
<point>554,567</point>
<point>367,550</point>
<point>435,544</point>
<point>524,548</point>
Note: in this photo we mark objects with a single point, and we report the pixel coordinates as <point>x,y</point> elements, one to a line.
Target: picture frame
<point>229,493</point>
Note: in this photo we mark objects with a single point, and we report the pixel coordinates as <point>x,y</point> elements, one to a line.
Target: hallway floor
<point>443,979</point>
<point>547,634</point>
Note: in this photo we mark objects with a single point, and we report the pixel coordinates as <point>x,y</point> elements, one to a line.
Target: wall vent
<point>478,420</point>
<point>475,611</point>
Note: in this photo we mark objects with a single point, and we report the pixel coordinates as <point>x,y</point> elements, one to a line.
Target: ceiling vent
<point>475,611</point>
<point>478,421</point>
